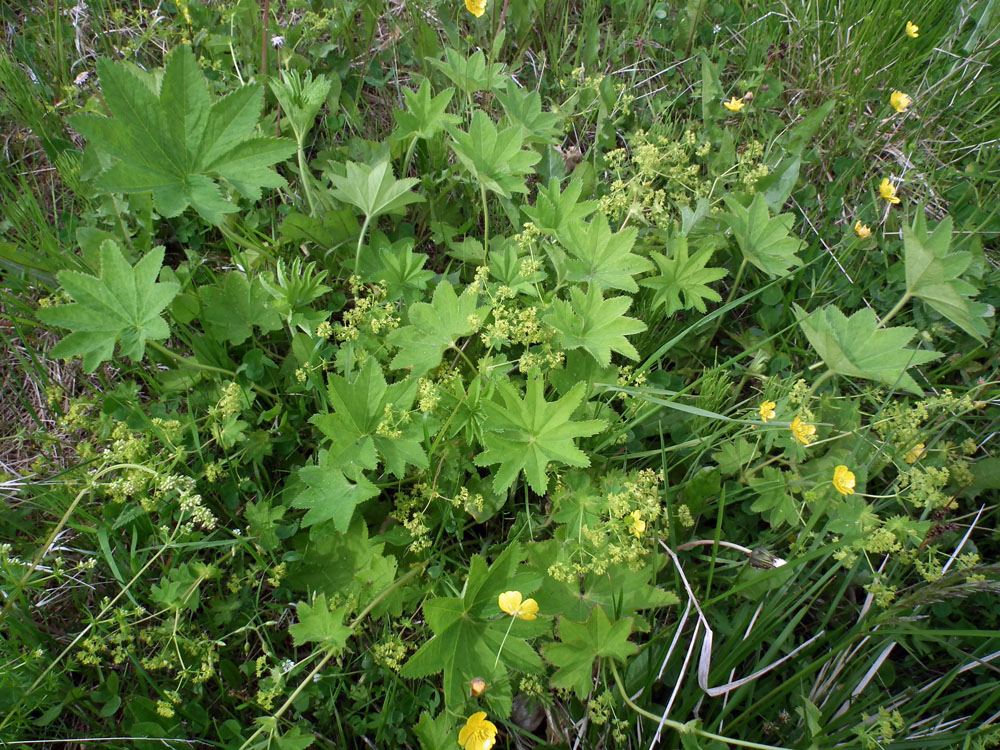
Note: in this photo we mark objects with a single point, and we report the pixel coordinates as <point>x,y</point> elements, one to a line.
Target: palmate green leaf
<point>121,305</point>
<point>493,159</point>
<point>374,190</point>
<point>595,324</point>
<point>329,495</point>
<point>582,643</point>
<point>684,275</point>
<point>465,644</point>
<point>858,348</point>
<point>774,499</point>
<point>764,240</point>
<point>932,274</point>
<point>555,212</point>
<point>176,143</point>
<point>301,97</point>
<point>528,435</point>
<point>234,305</point>
<point>403,272</point>
<point>318,624</point>
<point>359,409</point>
<point>470,74</point>
<point>434,328</point>
<point>602,259</point>
<point>425,116</point>
<point>524,107</point>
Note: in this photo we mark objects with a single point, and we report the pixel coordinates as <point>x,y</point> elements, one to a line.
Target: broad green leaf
<point>683,275</point>
<point>858,348</point>
<point>425,116</point>
<point>554,212</point>
<point>403,272</point>
<point>528,435</point>
<point>465,644</point>
<point>434,328</point>
<point>595,324</point>
<point>301,97</point>
<point>470,74</point>
<point>932,274</point>
<point>523,107</point>
<point>360,408</point>
<point>493,159</point>
<point>603,259</point>
<point>435,733</point>
<point>581,643</point>
<point>318,624</point>
<point>374,190</point>
<point>774,499</point>
<point>234,305</point>
<point>763,239</point>
<point>121,305</point>
<point>329,494</point>
<point>176,143</point>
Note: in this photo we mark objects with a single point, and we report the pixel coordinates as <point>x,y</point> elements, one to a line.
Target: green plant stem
<point>682,728</point>
<point>332,652</point>
<point>892,313</point>
<point>361,239</point>
<point>736,281</point>
<point>819,381</point>
<point>304,176</point>
<point>409,155</point>
<point>486,226</point>
<point>158,347</point>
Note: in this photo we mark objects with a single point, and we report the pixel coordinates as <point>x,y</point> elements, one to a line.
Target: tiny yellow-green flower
<point>638,526</point>
<point>478,733</point>
<point>888,191</point>
<point>476,7</point>
<point>511,603</point>
<point>767,411</point>
<point>863,231</point>
<point>900,101</point>
<point>912,30</point>
<point>843,480</point>
<point>734,104</point>
<point>806,433</point>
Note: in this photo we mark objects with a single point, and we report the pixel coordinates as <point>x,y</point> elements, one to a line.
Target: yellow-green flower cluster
<point>371,314</point>
<point>390,653</point>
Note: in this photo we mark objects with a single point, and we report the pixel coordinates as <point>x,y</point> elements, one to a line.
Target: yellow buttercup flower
<point>843,480</point>
<point>734,104</point>
<point>888,191</point>
<point>900,101</point>
<point>914,454</point>
<point>476,7</point>
<point>863,231</point>
<point>478,733</point>
<point>511,603</point>
<point>912,30</point>
<point>767,411</point>
<point>805,433</point>
<point>638,526</point>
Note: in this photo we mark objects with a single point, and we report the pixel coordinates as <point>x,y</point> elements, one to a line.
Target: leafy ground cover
<point>537,374</point>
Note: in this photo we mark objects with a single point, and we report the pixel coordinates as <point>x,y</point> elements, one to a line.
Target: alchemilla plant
<point>498,375</point>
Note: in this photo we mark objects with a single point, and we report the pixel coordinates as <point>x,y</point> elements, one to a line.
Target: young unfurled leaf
<point>301,96</point>
<point>764,240</point>
<point>425,117</point>
<point>234,305</point>
<point>524,107</point>
<point>434,328</point>
<point>932,274</point>
<point>603,259</point>
<point>555,212</point>
<point>493,159</point>
<point>121,305</point>
<point>595,324</point>
<point>317,624</point>
<point>470,74</point>
<point>858,348</point>
<point>403,272</point>
<point>360,408</point>
<point>528,435</point>
<point>175,143</point>
<point>681,274</point>
<point>582,643</point>
<point>329,494</point>
<point>465,644</point>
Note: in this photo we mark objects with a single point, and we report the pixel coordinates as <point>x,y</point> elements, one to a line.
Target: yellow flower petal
<point>767,411</point>
<point>806,433</point>
<point>734,104</point>
<point>863,231</point>
<point>514,604</point>
<point>478,733</point>
<point>476,7</point>
<point>888,191</point>
<point>914,454</point>
<point>638,526</point>
<point>843,480</point>
<point>900,101</point>
<point>912,30</point>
